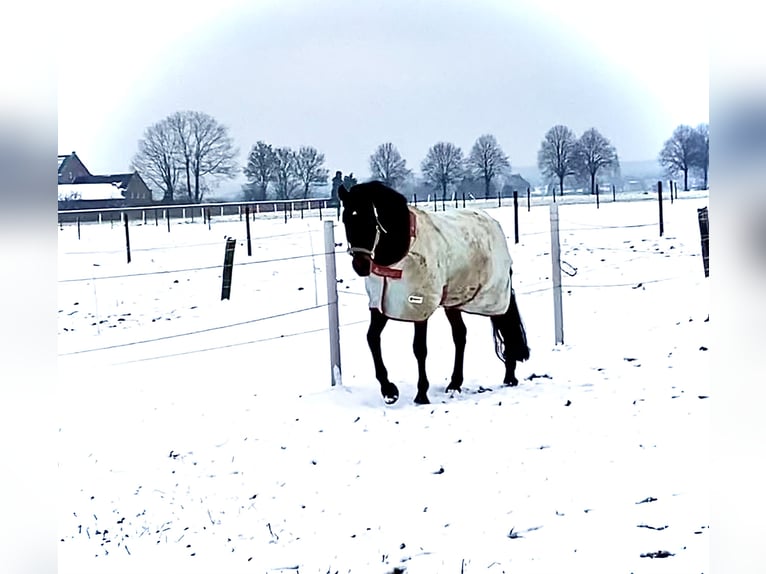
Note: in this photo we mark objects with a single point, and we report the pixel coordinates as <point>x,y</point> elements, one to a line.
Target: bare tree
<point>285,182</point>
<point>487,161</point>
<point>596,152</point>
<point>443,166</point>
<point>702,152</point>
<point>558,155</point>
<point>157,158</point>
<point>680,152</point>
<point>387,165</point>
<point>259,171</point>
<point>213,152</point>
<point>179,123</point>
<point>204,150</point>
<point>309,168</point>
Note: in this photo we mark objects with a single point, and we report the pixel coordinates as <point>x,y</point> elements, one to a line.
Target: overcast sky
<point>345,76</point>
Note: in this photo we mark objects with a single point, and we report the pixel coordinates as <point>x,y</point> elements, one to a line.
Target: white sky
<point>345,76</point>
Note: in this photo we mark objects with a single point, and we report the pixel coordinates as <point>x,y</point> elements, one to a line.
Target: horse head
<point>376,220</point>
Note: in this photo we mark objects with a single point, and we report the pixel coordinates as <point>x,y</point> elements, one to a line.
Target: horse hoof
<point>422,400</point>
<point>512,383</point>
<point>390,393</point>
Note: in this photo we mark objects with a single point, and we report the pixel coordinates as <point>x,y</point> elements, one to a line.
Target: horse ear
<point>342,193</point>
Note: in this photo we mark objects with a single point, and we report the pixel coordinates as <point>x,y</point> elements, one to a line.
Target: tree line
<point>188,152</point>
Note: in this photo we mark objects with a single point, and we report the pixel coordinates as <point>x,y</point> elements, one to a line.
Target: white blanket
<point>456,259</point>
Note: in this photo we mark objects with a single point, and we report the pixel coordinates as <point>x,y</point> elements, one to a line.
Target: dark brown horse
<point>414,262</point>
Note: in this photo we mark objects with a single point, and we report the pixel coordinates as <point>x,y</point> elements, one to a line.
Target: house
<point>515,182</point>
<point>80,189</point>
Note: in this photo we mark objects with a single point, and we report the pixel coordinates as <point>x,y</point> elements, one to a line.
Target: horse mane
<point>394,219</point>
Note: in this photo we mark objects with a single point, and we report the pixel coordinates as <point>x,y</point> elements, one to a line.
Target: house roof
<point>89,191</point>
<point>120,179</point>
<point>515,181</point>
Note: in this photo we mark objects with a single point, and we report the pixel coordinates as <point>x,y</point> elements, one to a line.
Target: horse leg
<point>510,340</point>
<point>387,388</point>
<point>455,318</point>
<point>420,350</point>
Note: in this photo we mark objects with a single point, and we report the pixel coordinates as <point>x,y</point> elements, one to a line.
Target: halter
<point>378,229</point>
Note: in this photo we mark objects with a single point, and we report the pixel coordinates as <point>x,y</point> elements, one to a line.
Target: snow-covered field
<point>200,435</point>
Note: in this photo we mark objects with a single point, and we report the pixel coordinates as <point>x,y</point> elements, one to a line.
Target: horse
<point>415,261</point>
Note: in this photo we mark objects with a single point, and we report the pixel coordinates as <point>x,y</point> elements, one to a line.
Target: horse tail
<point>509,332</point>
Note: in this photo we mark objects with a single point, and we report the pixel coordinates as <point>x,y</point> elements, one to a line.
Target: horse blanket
<point>457,259</point>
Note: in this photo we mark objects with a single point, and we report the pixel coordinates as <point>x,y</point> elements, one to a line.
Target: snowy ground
<point>199,435</point>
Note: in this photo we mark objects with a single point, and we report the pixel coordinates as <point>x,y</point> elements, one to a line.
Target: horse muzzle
<point>362,264</point>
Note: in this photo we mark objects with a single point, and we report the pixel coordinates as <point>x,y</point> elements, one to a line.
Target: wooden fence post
<point>516,216</point>
<point>167,218</point>
<point>332,303</point>
<point>529,205</point>
<point>127,235</point>
<point>614,197</point>
<point>659,198</point>
<point>78,227</point>
<point>247,228</point>
<point>702,216</point>
<point>598,200</point>
<point>558,315</point>
<point>228,266</point>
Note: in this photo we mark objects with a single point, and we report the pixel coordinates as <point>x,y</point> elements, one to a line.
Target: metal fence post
<point>332,303</point>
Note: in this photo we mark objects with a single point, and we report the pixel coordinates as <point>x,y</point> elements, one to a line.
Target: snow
<point>89,191</point>
<point>227,449</point>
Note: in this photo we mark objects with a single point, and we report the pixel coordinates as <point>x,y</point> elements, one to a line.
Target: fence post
<point>415,199</point>
<point>78,227</point>
<point>332,303</point>
<point>702,216</point>
<point>444,199</point>
<point>529,207</point>
<point>320,212</point>
<point>156,219</point>
<point>464,200</point>
<point>143,212</point>
<point>516,216</point>
<point>247,227</point>
<point>167,218</point>
<point>614,197</point>
<point>598,200</point>
<point>670,189</point>
<point>498,198</point>
<point>659,198</point>
<point>127,235</point>
<point>228,266</point>
<point>558,316</point>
